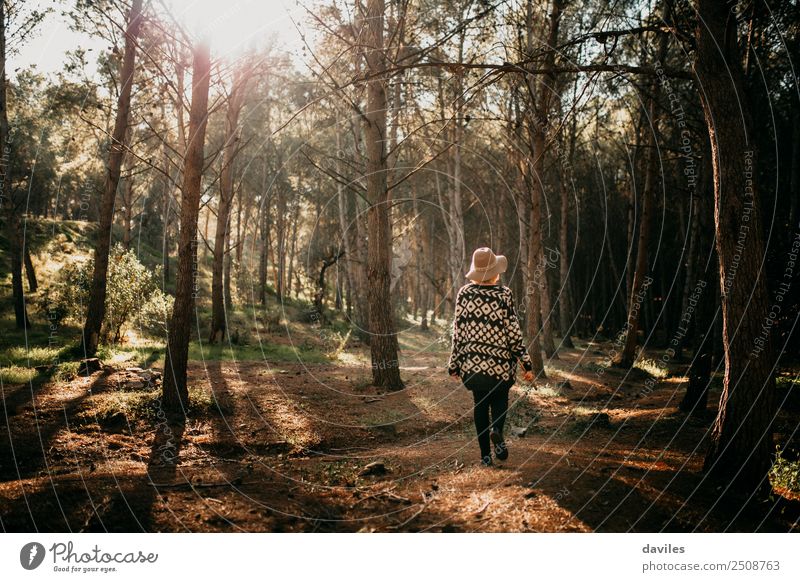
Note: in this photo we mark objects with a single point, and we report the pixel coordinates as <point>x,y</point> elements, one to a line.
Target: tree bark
<point>565,314</point>
<point>452,211</point>
<point>226,275</point>
<point>641,280</point>
<point>263,228</point>
<point>14,232</point>
<point>175,391</point>
<point>280,236</point>
<point>705,308</point>
<point>794,180</point>
<point>97,296</point>
<point>383,338</point>
<point>226,195</point>
<point>167,194</point>
<point>344,222</point>
<point>127,212</point>
<point>739,456</point>
<point>294,219</point>
<point>548,343</point>
<point>533,320</point>
<point>541,94</point>
<point>691,264</point>
<point>30,272</point>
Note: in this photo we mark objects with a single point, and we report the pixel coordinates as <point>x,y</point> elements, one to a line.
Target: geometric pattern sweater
<point>487,338</point>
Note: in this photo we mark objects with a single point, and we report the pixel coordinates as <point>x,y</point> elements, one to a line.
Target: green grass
<point>147,355</point>
<point>382,418</point>
<point>545,391</point>
<point>652,367</point>
<point>303,352</point>
<point>34,356</point>
<point>65,371</point>
<point>145,406</point>
<point>142,356</point>
<point>17,375</point>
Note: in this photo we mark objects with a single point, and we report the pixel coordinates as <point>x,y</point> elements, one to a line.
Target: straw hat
<point>485,265</point>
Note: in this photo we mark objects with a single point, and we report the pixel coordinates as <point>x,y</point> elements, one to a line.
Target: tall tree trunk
<point>263,227</point>
<point>226,275</point>
<point>280,234</point>
<point>206,218</point>
<point>548,343</point>
<point>344,222</point>
<point>383,338</point>
<point>739,456</point>
<point>167,194</point>
<point>565,313</point>
<point>641,279</point>
<point>537,113</point>
<point>533,320</point>
<point>704,308</point>
<point>127,212</point>
<point>294,219</point>
<point>97,296</point>
<point>452,211</point>
<point>794,180</point>
<point>631,232</point>
<point>691,262</point>
<point>239,234</point>
<point>226,194</point>
<point>175,391</point>
<point>458,248</point>
<point>14,232</point>
<point>30,272</point>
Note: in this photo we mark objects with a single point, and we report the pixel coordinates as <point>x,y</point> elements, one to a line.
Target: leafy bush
<point>154,315</point>
<point>131,287</point>
<point>16,374</point>
<point>785,473</point>
<point>67,297</point>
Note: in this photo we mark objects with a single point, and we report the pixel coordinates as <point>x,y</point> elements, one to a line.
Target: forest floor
<point>293,446</point>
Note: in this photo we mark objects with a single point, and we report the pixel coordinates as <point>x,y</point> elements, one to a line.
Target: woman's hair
<point>494,279</point>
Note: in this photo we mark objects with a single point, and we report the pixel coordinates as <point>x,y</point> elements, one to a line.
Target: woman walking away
<point>487,344</point>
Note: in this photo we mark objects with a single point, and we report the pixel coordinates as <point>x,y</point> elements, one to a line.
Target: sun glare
<point>235,26</point>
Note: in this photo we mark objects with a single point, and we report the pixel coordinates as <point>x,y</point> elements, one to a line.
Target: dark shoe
<point>500,448</point>
<point>487,461</point>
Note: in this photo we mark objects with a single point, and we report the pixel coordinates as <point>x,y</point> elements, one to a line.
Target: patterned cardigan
<point>487,338</point>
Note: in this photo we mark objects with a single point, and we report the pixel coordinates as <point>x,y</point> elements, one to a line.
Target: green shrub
<point>16,374</point>
<point>67,297</point>
<point>130,288</point>
<point>785,473</point>
<point>154,315</point>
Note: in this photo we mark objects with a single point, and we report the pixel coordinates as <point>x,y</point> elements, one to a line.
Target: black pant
<point>489,394</point>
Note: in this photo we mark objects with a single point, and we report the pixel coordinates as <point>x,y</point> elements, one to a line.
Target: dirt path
<point>291,447</point>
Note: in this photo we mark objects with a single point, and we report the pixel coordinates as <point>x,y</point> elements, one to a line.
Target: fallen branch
<point>234,483</point>
<point>383,493</point>
<point>410,519</point>
<point>426,500</point>
<point>482,509</point>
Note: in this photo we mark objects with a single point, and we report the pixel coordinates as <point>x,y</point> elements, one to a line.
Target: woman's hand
<point>454,377</point>
<point>528,377</point>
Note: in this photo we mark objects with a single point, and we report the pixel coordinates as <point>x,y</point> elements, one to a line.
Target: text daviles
<point>665,549</point>
<point>96,555</point>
